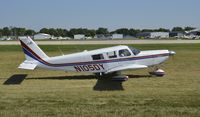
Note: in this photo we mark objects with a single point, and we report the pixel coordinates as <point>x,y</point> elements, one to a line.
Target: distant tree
<point>92,32</point>
<point>162,30</point>
<point>60,32</point>
<point>84,31</point>
<point>189,28</point>
<point>17,31</point>
<point>147,30</point>
<point>66,33</point>
<point>178,29</point>
<point>44,30</point>
<point>134,32</point>
<point>29,32</point>
<point>6,31</point>
<point>102,31</point>
<point>20,31</point>
<point>72,32</point>
<point>13,31</point>
<point>123,31</point>
<point>81,31</point>
<point>53,32</point>
<point>1,32</point>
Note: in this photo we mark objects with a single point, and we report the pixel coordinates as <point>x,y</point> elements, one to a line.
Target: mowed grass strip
<point>55,93</point>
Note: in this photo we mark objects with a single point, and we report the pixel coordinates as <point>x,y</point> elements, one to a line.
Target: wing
<point>126,67</point>
<point>28,65</point>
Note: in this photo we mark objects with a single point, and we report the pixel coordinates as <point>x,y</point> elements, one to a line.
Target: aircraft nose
<point>171,53</point>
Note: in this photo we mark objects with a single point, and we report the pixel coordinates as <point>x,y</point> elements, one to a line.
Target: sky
<point>111,14</point>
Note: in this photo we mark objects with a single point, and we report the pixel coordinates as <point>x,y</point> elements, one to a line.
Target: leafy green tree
<point>81,31</point>
<point>44,30</point>
<point>6,31</point>
<point>60,32</point>
<point>29,32</point>
<point>102,31</point>
<point>20,31</point>
<point>53,32</point>
<point>147,30</point>
<point>162,30</point>
<point>123,31</point>
<point>91,33</point>
<point>1,32</point>
<point>72,32</point>
<point>13,31</point>
<point>178,29</point>
<point>189,28</point>
<point>134,32</point>
<point>66,33</point>
<point>84,31</point>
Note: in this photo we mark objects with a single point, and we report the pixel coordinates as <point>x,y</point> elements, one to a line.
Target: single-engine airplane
<point>101,62</point>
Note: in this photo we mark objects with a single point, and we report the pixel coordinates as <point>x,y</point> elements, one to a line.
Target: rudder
<point>31,49</point>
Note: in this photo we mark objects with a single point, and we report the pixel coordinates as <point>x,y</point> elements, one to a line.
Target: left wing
<point>126,67</point>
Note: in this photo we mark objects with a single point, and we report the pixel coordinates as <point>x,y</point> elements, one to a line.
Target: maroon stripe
<point>32,52</point>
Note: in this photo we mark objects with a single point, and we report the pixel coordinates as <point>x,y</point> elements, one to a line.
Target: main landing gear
<point>115,76</point>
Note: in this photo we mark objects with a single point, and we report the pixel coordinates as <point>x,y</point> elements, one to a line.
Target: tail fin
<point>31,49</point>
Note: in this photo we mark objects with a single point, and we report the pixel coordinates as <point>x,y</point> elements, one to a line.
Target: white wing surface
<point>126,67</point>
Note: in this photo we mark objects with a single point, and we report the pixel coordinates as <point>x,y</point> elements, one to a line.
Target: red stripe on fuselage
<point>32,52</point>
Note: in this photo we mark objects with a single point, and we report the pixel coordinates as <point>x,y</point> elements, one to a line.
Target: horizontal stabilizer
<point>126,67</point>
<point>27,65</point>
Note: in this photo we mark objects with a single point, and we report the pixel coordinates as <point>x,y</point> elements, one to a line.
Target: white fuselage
<point>102,60</point>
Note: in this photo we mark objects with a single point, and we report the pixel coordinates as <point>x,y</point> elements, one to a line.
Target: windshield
<point>135,51</point>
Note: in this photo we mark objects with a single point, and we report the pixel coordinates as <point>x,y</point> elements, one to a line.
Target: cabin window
<point>124,52</point>
<point>134,51</point>
<point>97,57</point>
<point>112,54</point>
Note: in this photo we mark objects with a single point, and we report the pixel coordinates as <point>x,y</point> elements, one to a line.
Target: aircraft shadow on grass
<point>15,79</point>
<point>105,84</point>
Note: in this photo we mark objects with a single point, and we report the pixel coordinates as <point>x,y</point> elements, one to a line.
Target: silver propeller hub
<point>172,53</point>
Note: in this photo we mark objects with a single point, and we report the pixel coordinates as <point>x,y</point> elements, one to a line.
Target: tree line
<point>17,31</point>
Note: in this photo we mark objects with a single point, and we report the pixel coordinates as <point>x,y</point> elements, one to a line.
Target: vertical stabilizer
<point>31,49</point>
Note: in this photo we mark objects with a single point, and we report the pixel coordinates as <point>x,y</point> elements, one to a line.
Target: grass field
<point>56,94</point>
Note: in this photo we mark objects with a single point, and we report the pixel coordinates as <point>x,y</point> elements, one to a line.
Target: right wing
<point>126,67</point>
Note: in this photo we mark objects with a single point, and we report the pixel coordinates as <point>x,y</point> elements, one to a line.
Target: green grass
<point>53,93</point>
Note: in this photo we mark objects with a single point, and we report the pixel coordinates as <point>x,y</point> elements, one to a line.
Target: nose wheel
<point>158,72</point>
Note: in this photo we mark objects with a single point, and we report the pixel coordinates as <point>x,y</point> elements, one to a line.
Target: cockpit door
<point>112,59</point>
<point>125,56</point>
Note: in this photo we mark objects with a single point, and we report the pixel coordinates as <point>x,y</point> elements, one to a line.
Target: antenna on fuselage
<point>60,49</point>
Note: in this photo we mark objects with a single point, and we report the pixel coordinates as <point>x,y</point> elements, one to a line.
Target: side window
<point>112,54</point>
<point>124,52</point>
<point>97,57</point>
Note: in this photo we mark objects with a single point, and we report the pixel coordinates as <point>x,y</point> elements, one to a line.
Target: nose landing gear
<point>158,73</point>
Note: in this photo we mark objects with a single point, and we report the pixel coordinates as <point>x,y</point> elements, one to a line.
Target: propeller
<point>171,53</point>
